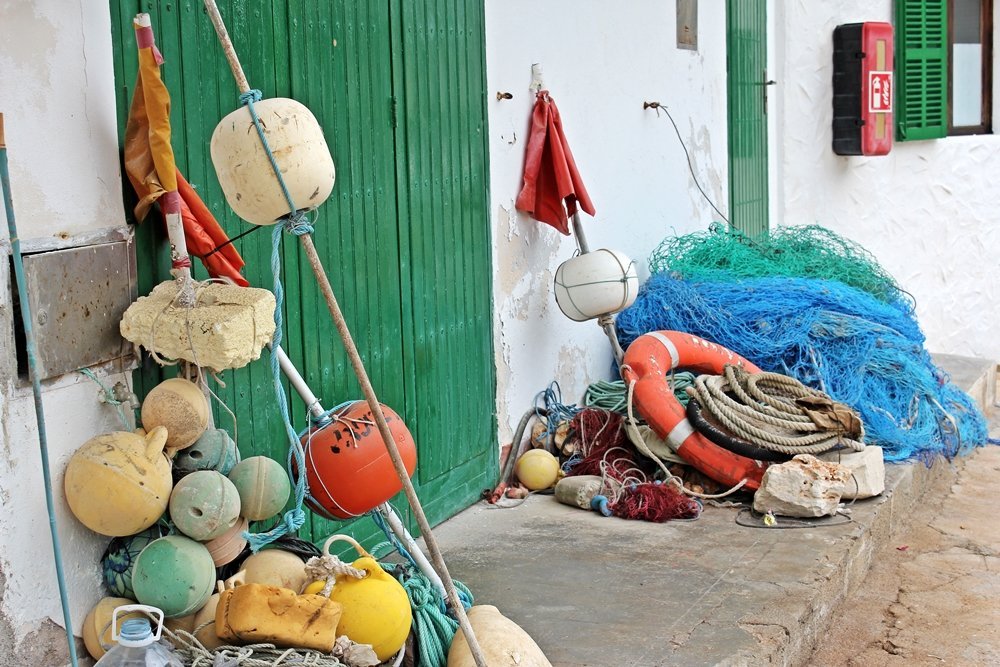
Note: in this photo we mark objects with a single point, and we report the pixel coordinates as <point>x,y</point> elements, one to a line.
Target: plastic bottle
<point>137,645</point>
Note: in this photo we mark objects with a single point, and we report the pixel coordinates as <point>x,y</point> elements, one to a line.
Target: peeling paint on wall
<point>630,160</point>
<point>56,80</point>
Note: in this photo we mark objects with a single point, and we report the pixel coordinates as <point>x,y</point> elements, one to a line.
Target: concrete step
<point>602,591</point>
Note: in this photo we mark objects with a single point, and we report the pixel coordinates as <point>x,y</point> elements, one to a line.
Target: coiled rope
<point>433,626</point>
<point>763,411</point>
<point>612,395</point>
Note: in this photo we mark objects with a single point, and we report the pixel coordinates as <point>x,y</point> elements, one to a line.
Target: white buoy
<point>245,172</point>
<point>595,283</point>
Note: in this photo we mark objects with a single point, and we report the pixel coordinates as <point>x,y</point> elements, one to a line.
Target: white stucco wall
<point>58,99</point>
<point>928,211</point>
<point>600,61</point>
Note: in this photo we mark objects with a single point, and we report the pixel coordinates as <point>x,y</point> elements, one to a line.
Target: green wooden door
<point>746,64</point>
<point>443,196</point>
<point>383,242</point>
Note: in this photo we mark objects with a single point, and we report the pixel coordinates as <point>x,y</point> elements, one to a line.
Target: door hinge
<point>394,110</point>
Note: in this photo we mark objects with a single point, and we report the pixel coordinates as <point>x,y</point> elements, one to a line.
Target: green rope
<point>433,626</point>
<point>612,395</point>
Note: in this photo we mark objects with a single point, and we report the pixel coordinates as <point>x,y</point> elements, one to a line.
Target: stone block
<point>227,327</point>
<point>804,487</point>
<point>867,471</point>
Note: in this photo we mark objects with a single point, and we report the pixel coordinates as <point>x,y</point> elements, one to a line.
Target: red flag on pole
<point>552,184</point>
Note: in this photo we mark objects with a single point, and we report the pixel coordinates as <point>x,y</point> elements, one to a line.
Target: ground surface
<point>932,596</point>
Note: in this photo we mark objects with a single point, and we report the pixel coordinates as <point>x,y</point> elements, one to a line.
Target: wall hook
<point>504,96</point>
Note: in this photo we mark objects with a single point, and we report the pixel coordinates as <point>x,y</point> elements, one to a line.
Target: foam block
<point>228,325</point>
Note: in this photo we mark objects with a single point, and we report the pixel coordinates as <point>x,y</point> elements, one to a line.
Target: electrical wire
<point>657,106</point>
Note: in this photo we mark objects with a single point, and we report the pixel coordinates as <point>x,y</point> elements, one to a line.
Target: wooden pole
<point>390,444</point>
<point>366,386</point>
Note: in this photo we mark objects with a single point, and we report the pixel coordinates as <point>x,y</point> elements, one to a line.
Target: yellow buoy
<point>97,625</point>
<point>376,610</point>
<point>119,483</point>
<point>537,469</point>
<point>179,406</point>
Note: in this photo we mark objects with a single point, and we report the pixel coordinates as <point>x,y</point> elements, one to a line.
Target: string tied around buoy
<point>296,223</point>
<point>327,567</point>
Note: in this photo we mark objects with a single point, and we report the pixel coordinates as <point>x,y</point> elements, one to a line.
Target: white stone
<point>867,471</point>
<point>804,486</point>
<point>228,325</point>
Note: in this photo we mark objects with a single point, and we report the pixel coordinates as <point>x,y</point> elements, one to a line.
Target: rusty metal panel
<point>77,298</point>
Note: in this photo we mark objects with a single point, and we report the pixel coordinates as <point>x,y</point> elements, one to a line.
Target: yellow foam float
<point>119,483</point>
<point>179,406</point>
<point>376,609</point>
<point>537,469</point>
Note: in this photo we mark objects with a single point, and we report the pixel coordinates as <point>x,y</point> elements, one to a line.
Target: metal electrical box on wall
<point>77,298</point>
<point>862,88</point>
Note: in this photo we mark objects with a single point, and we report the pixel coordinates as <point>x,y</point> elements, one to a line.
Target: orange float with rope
<point>648,363</point>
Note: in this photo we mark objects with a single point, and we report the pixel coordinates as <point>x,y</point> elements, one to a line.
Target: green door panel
<point>746,64</point>
<point>346,61</point>
<point>445,243</point>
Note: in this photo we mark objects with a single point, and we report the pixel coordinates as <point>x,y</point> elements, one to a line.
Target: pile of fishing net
<point>817,307</point>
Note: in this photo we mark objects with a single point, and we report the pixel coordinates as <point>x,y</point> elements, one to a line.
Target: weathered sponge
<point>228,325</point>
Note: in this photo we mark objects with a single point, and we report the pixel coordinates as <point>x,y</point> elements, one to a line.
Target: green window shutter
<point>921,69</point>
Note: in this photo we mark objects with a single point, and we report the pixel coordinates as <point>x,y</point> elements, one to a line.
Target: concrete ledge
<point>600,591</point>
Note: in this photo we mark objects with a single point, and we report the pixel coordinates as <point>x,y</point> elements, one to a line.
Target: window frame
<point>986,74</point>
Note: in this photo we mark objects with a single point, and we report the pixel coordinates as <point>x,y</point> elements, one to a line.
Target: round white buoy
<point>596,283</point>
<point>245,172</point>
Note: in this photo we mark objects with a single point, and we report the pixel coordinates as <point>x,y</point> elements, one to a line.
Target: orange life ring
<point>648,362</point>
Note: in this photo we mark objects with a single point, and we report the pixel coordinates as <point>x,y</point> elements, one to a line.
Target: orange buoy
<point>347,465</point>
<point>648,362</point>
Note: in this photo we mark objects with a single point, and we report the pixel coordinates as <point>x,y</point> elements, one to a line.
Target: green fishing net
<point>720,253</point>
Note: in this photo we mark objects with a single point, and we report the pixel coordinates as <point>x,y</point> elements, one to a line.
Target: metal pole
<point>581,240</point>
<point>36,390</point>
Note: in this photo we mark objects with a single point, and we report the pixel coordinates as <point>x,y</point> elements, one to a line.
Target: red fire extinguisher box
<point>862,88</point>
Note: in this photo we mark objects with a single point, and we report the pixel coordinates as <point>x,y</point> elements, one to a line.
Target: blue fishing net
<point>864,350</point>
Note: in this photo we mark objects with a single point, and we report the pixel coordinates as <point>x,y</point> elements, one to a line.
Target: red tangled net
<point>608,453</point>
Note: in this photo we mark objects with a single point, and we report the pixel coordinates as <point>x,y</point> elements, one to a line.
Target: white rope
<point>326,568</point>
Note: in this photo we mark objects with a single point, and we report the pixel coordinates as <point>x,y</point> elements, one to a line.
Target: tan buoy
<point>204,621</point>
<point>229,545</point>
<point>119,483</point>
<point>97,625</point>
<point>504,642</point>
<point>179,406</point>
<point>275,567</point>
<point>245,172</point>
